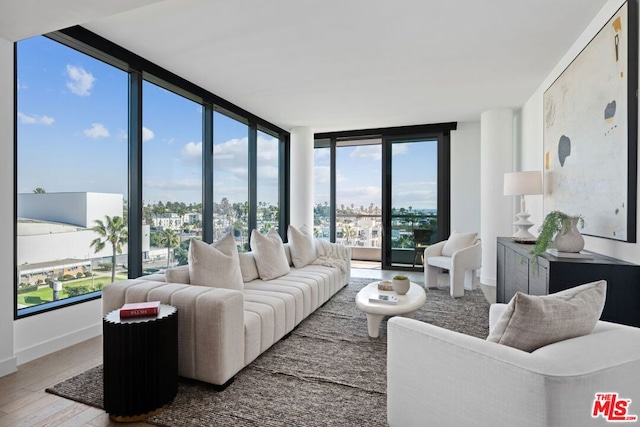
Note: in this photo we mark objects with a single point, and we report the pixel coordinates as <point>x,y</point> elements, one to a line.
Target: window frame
<point>138,70</point>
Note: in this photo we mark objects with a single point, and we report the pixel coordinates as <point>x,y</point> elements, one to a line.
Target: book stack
<point>140,309</point>
<point>384,299</point>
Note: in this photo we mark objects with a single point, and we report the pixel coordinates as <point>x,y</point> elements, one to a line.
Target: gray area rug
<point>328,372</point>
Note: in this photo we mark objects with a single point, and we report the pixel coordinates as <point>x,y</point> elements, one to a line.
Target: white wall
<point>7,264</point>
<point>465,177</point>
<point>532,136</point>
<point>496,211</point>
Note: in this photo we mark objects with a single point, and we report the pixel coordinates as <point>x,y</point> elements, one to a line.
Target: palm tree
<point>348,231</point>
<point>114,232</point>
<point>170,239</point>
<point>39,190</point>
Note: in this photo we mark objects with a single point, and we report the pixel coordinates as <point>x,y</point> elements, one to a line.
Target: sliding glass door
<point>412,214</point>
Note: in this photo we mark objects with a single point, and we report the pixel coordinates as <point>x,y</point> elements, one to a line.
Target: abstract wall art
<point>590,132</point>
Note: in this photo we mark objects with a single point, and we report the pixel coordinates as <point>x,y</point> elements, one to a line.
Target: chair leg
<point>456,281</point>
<point>470,281</point>
<point>431,276</point>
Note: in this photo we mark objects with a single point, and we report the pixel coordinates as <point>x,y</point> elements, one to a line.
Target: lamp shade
<point>522,183</point>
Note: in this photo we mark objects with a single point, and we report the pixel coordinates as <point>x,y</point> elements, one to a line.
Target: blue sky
<point>359,175</point>
<point>72,136</point>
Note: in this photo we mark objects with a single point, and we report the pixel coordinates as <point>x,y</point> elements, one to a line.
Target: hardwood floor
<point>23,401</point>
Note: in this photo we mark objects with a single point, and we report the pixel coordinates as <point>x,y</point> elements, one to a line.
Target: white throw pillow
<point>268,251</point>
<point>458,241</point>
<point>530,322</point>
<point>303,248</point>
<point>179,274</point>
<point>248,267</point>
<point>215,265</point>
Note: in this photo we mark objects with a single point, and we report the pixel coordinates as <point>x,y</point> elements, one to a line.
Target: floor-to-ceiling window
<point>414,199</point>
<point>231,179</point>
<point>322,189</point>
<point>120,162</point>
<point>71,170</point>
<point>171,177</point>
<point>359,196</point>
<point>267,182</point>
<point>391,187</point>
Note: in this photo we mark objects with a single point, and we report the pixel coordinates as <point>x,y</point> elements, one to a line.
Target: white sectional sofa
<point>223,330</point>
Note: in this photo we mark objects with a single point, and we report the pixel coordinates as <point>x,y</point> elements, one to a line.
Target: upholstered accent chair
<point>439,377</point>
<point>461,254</point>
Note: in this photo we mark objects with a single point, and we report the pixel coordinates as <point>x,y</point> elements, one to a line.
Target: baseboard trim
<point>58,343</point>
<point>489,281</point>
<point>8,366</point>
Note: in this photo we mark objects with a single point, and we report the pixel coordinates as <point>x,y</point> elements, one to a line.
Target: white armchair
<point>461,254</point>
<point>438,377</point>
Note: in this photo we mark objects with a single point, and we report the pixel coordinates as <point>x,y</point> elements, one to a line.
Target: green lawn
<point>45,294</point>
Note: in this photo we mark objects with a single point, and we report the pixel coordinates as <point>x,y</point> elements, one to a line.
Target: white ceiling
<point>338,64</point>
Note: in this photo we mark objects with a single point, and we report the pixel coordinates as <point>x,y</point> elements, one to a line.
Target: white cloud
<point>371,152</point>
<point>399,149</point>
<point>147,134</point>
<point>319,153</point>
<point>35,120</point>
<point>97,130</point>
<point>192,151</point>
<point>21,86</point>
<point>359,196</point>
<point>81,81</point>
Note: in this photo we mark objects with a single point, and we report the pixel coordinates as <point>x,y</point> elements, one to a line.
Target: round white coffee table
<point>406,305</point>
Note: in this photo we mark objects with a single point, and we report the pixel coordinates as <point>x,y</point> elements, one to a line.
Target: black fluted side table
<point>140,364</point>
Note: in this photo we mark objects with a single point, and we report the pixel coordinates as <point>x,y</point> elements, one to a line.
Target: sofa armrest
<point>434,250</point>
<point>469,257</point>
<point>495,311</point>
<point>210,324</point>
<point>450,378</point>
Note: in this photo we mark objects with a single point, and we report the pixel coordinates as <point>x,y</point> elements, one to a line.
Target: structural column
<point>496,210</point>
<point>7,262</point>
<point>301,177</point>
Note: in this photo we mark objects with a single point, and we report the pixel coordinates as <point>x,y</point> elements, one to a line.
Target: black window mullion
<point>253,177</point>
<point>332,191</point>
<point>284,173</point>
<point>444,186</point>
<point>386,201</point>
<point>135,175</point>
<point>207,173</point>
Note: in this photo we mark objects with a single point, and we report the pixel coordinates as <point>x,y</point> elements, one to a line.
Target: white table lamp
<point>523,184</point>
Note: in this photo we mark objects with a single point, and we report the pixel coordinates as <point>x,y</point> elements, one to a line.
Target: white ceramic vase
<point>570,240</point>
<point>401,286</point>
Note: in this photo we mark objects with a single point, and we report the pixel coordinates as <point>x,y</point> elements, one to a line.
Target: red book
<point>140,309</point>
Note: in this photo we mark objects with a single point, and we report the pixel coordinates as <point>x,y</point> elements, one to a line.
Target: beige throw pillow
<point>530,322</point>
<point>248,267</point>
<point>268,251</point>
<point>303,248</point>
<point>458,241</point>
<point>215,265</point>
<point>179,274</point>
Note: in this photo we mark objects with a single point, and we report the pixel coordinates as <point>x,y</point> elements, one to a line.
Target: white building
<point>168,221</point>
<point>54,231</point>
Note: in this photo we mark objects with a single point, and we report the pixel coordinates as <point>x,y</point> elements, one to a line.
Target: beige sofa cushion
<point>248,267</point>
<point>216,265</point>
<point>303,248</point>
<point>179,274</point>
<point>268,251</point>
<point>530,322</point>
